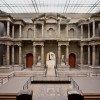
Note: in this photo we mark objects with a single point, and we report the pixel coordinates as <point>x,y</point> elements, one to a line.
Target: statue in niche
<point>98,30</point>
<point>39,61</point>
<point>50,31</point>
<point>62,60</point>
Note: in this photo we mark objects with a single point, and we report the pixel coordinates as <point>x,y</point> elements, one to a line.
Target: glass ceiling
<point>50,6</point>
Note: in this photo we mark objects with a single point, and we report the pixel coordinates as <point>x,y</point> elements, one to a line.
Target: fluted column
<point>20,31</point>
<point>58,29</point>
<point>34,30</point>
<point>42,30</point>
<point>67,54</point>
<point>93,55</point>
<point>59,54</point>
<point>8,29</point>
<point>20,54</point>
<point>34,54</point>
<point>88,54</point>
<point>81,55</point>
<point>13,31</point>
<point>82,31</point>
<point>88,30</point>
<point>94,28</point>
<point>42,54</point>
<point>8,54</point>
<point>13,55</point>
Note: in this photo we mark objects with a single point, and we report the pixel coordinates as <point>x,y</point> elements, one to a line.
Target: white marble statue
<point>62,60</point>
<point>39,61</point>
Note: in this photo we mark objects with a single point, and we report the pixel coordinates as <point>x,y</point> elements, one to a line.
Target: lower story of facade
<point>29,53</point>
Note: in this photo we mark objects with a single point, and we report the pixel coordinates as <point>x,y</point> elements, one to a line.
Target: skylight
<point>50,6</point>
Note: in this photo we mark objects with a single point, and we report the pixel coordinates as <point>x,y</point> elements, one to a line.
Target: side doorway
<point>29,60</point>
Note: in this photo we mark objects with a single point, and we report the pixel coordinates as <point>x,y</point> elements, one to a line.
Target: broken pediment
<point>51,20</point>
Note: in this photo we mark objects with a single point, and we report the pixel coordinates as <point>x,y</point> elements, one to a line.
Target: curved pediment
<point>96,14</point>
<point>51,18</point>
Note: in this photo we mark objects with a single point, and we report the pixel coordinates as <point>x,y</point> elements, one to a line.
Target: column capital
<point>34,45</point>
<point>20,45</point>
<point>67,45</point>
<point>42,45</point>
<point>81,45</point>
<point>59,45</point>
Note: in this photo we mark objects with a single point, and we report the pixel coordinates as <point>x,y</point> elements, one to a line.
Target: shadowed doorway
<point>50,62</point>
<point>29,60</point>
<point>72,60</point>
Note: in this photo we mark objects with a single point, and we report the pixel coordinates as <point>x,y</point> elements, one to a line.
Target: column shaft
<point>13,31</point>
<point>67,55</point>
<point>81,31</point>
<point>42,54</point>
<point>59,54</point>
<point>81,55</point>
<point>34,31</point>
<point>8,55</point>
<point>88,30</point>
<point>58,29</point>
<point>8,28</point>
<point>20,31</point>
<point>13,54</point>
<point>93,55</point>
<point>88,55</point>
<point>34,54</point>
<point>20,55</point>
<point>93,28</point>
<point>42,30</point>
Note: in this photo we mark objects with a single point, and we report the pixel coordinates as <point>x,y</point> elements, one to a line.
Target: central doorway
<point>29,60</point>
<point>72,60</point>
<point>50,62</point>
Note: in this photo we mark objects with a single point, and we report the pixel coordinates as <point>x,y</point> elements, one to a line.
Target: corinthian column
<point>8,29</point>
<point>20,54</point>
<point>58,29</point>
<point>34,30</point>
<point>59,53</point>
<point>42,54</point>
<point>67,54</point>
<point>93,55</point>
<point>20,31</point>
<point>42,30</point>
<point>82,31</point>
<point>34,54</point>
<point>13,54</point>
<point>8,54</point>
<point>13,31</point>
<point>88,55</point>
<point>93,28</point>
<point>81,55</point>
<point>88,30</point>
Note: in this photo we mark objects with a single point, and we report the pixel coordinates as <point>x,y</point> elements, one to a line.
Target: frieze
<point>38,43</point>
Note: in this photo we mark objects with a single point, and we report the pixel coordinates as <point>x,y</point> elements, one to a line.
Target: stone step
<point>29,73</point>
<point>91,97</point>
<point>7,97</point>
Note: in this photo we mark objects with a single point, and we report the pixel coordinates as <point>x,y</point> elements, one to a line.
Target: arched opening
<point>71,33</point>
<point>30,33</point>
<point>29,60</point>
<point>72,60</point>
<point>50,62</point>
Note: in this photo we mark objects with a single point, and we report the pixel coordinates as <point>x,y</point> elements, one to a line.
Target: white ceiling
<point>50,6</point>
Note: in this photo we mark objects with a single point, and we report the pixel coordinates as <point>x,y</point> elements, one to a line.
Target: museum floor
<point>51,84</point>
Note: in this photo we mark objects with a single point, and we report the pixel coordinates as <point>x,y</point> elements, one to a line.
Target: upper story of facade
<point>50,27</point>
